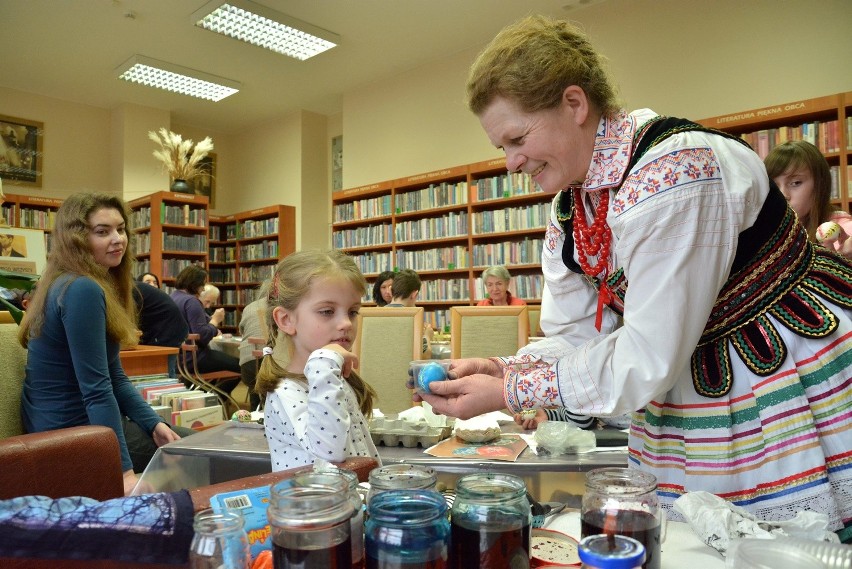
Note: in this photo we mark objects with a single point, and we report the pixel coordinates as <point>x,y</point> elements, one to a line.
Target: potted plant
<point>181,158</point>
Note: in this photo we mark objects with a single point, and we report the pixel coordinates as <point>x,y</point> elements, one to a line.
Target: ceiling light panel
<point>175,78</point>
<point>264,27</point>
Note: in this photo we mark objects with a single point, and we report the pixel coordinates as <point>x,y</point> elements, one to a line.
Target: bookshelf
<point>244,249</point>
<point>448,225</point>
<point>824,121</point>
<point>170,233</point>
<point>31,212</point>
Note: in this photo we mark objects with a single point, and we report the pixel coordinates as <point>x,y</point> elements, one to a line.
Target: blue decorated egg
<point>429,373</point>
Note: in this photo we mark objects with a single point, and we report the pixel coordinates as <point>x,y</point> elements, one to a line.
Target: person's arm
<point>676,248</point>
<point>198,322</point>
<point>83,313</point>
<point>325,428</point>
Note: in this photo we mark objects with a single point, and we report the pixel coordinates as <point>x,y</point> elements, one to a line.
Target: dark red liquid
<point>373,563</point>
<point>489,548</point>
<point>641,526</point>
<point>335,557</point>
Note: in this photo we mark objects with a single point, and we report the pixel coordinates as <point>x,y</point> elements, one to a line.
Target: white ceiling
<point>69,49</point>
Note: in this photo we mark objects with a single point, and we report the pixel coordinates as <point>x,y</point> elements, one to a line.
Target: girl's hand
<point>130,481</point>
<point>163,434</point>
<point>532,423</point>
<point>466,397</point>
<point>350,360</point>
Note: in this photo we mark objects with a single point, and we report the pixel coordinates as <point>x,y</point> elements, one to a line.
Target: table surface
<point>680,548</point>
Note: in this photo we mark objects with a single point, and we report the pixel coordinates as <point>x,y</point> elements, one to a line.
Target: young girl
<point>803,175</point>
<point>79,318</point>
<point>315,403</point>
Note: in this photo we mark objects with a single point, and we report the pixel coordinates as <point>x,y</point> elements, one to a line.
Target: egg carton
<point>392,432</point>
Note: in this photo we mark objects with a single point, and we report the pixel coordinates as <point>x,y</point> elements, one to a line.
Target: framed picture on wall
<point>205,183</point>
<point>21,152</point>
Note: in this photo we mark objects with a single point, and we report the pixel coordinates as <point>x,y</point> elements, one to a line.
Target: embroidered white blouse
<point>676,259</point>
<point>316,418</point>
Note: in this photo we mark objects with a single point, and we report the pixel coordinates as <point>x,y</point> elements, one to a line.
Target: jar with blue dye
<point>407,528</point>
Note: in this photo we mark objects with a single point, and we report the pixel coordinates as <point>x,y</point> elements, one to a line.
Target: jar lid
<point>611,551</point>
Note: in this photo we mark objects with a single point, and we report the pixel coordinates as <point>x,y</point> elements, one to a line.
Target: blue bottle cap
<point>611,552</point>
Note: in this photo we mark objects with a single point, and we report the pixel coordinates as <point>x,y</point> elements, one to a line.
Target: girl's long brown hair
<point>292,280</point>
<point>71,254</point>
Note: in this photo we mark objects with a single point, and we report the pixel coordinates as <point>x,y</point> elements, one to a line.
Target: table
<point>681,547</point>
<point>146,360</point>
<point>227,344</point>
<point>229,451</point>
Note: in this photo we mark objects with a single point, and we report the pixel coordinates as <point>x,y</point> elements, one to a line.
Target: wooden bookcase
<point>244,249</point>
<point>169,233</point>
<point>824,121</point>
<point>31,212</point>
<point>448,225</point>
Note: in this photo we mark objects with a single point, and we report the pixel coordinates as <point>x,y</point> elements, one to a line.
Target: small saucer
<point>550,548</point>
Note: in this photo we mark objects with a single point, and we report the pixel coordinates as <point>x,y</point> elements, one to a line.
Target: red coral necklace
<point>593,241</point>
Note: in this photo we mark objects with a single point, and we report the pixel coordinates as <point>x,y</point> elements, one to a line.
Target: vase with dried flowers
<point>181,158</point>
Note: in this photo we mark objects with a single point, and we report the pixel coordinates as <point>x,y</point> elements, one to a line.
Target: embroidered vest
<point>776,270</point>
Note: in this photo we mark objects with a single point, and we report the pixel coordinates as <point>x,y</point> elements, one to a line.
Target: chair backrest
<point>6,317</point>
<point>534,313</point>
<point>14,361</point>
<point>487,331</point>
<point>388,339</point>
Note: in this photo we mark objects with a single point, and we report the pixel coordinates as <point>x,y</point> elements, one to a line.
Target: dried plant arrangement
<point>180,158</point>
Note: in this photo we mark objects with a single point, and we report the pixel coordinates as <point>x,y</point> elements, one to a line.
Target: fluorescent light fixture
<point>264,27</point>
<point>171,77</point>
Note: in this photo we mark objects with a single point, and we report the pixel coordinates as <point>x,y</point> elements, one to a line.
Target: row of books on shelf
<point>183,215</point>
<point>189,243</point>
<point>35,218</point>
<point>823,135</point>
<point>173,267</point>
<point>177,404</point>
<point>259,251</point>
<point>222,232</point>
<point>512,219</point>
<point>223,275</point>
<point>451,225</point>
<point>258,228</point>
<point>442,258</point>
<point>255,273</point>
<point>835,182</point>
<point>440,290</point>
<point>432,196</point>
<point>372,263</point>
<point>504,186</point>
<point>362,209</point>
<point>223,254</point>
<point>523,252</point>
<point>363,236</point>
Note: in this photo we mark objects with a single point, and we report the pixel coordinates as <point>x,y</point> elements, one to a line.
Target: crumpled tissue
<point>717,521</point>
<point>560,437</point>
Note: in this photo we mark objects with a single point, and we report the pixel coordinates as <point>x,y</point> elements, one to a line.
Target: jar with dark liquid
<point>407,529</point>
<point>309,516</point>
<point>490,523</point>
<point>623,501</point>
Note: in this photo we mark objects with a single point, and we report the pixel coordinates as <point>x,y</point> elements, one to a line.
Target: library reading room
<point>395,284</point>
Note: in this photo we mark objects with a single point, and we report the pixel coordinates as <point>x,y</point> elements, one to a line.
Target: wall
<point>683,58</point>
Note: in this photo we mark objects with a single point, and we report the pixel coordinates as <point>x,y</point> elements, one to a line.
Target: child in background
<point>803,175</point>
<point>315,404</point>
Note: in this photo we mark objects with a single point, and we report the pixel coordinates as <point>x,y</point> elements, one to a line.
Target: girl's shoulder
<point>75,286</point>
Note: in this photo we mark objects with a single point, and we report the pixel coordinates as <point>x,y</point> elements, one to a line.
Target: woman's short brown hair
<point>533,61</point>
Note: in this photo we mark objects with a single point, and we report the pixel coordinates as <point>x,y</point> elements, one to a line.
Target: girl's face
<point>327,314</point>
<point>798,187</point>
<point>150,279</point>
<point>107,237</point>
<point>387,295</point>
<point>553,145</point>
<point>496,289</point>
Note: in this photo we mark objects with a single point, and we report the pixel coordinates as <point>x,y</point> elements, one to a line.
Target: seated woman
<point>149,279</point>
<point>81,315</point>
<point>209,297</point>
<point>188,286</point>
<point>496,280</point>
<point>382,293</point>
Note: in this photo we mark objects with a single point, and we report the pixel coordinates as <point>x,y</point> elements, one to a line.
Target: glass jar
<point>356,522</point>
<point>400,477</point>
<point>611,552</point>
<point>309,517</point>
<point>623,501</point>
<point>219,541</point>
<point>490,522</point>
<point>407,528</point>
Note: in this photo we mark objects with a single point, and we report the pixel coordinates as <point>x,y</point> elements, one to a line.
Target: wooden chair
<point>389,338</point>
<point>205,381</point>
<point>534,313</point>
<point>12,372</point>
<point>487,331</point>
